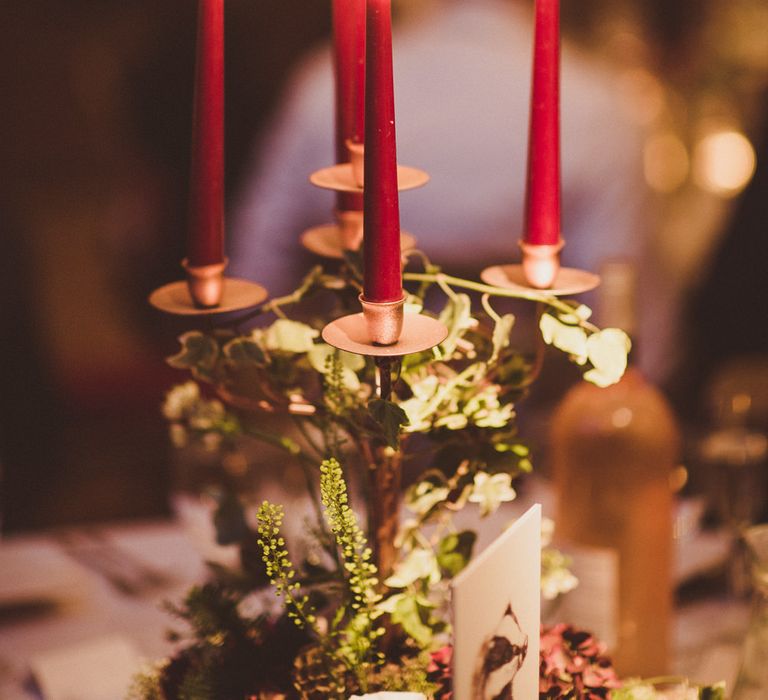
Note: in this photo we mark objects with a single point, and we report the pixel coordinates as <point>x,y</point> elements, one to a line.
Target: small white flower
<point>547,530</point>
<point>424,495</point>
<point>456,421</point>
<point>556,582</point>
<point>180,399</point>
<point>494,418</point>
<point>556,577</point>
<point>491,490</point>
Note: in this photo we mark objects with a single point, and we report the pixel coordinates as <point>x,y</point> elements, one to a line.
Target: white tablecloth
<point>89,609</point>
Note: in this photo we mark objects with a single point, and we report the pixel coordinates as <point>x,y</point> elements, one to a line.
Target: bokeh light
<point>643,94</point>
<point>665,162</point>
<point>724,162</point>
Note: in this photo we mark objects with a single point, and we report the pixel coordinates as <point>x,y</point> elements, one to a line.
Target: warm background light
<point>665,162</point>
<point>644,95</point>
<point>724,162</point>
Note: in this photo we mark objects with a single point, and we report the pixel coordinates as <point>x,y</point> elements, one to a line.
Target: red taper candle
<point>542,207</point>
<point>206,204</point>
<point>349,61</point>
<point>382,274</point>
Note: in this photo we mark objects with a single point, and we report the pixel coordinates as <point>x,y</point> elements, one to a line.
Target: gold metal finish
<point>541,263</point>
<point>384,320</point>
<point>351,228</point>
<point>206,283</point>
<point>357,159</point>
<point>340,178</point>
<point>567,282</point>
<point>328,241</point>
<point>237,295</point>
<point>419,333</point>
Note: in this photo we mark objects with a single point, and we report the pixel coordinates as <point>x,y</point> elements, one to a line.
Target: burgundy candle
<point>349,59</point>
<point>381,240</point>
<point>542,207</point>
<point>206,204</point>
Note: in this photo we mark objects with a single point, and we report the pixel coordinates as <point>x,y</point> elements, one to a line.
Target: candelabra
<point>207,291</point>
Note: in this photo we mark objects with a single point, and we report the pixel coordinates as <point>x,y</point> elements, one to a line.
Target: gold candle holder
<point>541,263</point>
<point>356,153</point>
<point>205,283</point>
<point>384,320</point>
<point>350,226</point>
<point>207,291</point>
<point>540,271</point>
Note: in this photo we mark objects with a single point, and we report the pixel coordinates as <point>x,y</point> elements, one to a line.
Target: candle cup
<point>205,282</point>
<point>541,263</point>
<point>351,228</point>
<point>357,158</point>
<point>384,320</point>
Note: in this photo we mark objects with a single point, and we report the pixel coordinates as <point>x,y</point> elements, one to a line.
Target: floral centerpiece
<point>366,607</point>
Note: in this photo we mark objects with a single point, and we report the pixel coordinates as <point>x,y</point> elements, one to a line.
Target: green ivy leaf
<point>457,317</point>
<point>419,564</point>
<point>569,339</point>
<point>390,417</point>
<point>607,351</point>
<point>424,495</point>
<point>289,336</point>
<point>713,692</point>
<point>350,364</point>
<point>455,551</point>
<point>198,351</point>
<point>413,304</point>
<point>579,314</point>
<point>501,332</point>
<point>318,358</point>
<point>244,351</point>
<point>412,617</point>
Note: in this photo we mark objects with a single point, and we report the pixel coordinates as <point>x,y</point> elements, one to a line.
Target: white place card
<point>497,618</point>
<point>22,582</point>
<point>99,669</point>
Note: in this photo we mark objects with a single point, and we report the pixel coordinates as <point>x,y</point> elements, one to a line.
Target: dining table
<point>83,608</point>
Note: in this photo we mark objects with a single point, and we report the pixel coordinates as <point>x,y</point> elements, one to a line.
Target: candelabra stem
<point>384,367</point>
<point>384,516</point>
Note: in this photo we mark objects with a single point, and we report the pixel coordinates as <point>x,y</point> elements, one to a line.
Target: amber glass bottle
<point>613,453</point>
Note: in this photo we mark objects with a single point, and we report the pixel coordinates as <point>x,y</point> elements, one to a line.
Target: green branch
<point>442,279</point>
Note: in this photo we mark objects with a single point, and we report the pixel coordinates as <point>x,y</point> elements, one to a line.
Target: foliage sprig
<point>279,568</point>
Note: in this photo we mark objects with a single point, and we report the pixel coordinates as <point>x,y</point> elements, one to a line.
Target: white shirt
<point>462,78</point>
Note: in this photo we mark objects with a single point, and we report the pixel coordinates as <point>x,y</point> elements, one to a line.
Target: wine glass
<point>734,454</point>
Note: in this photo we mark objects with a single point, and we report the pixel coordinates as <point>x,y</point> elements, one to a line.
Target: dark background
<point>94,142</point>
<point>94,145</point>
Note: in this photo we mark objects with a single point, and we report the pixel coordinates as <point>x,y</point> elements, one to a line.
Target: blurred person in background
<point>462,74</point>
<point>725,320</point>
<point>96,134</point>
